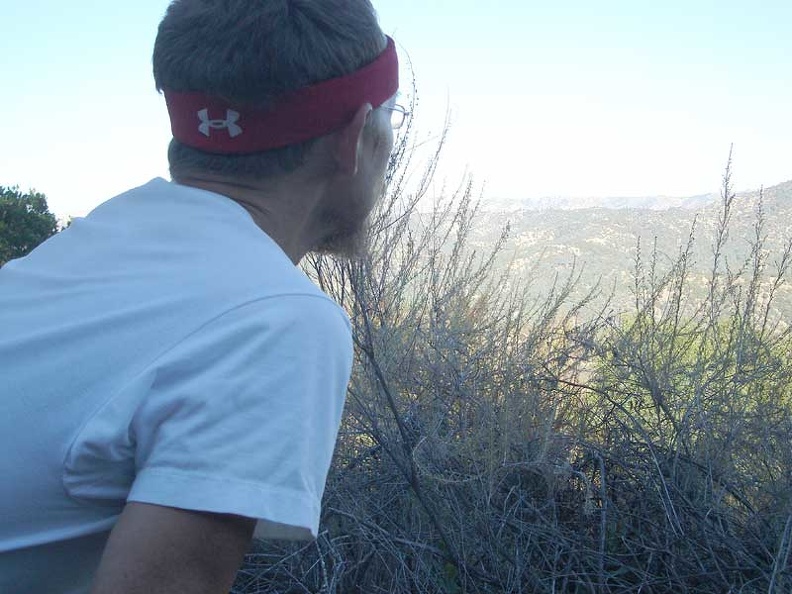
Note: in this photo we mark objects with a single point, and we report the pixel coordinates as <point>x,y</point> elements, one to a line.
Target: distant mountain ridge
<point>601,241</point>
<point>641,202</point>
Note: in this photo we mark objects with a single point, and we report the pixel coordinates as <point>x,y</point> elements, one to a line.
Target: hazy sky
<point>572,98</point>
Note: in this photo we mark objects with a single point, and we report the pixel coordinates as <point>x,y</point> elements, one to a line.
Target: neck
<point>283,209</point>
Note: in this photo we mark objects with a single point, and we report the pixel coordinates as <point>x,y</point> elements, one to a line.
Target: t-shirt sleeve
<point>242,416</point>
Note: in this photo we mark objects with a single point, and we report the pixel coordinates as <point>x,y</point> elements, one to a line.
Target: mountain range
<point>599,238</point>
<point>579,203</point>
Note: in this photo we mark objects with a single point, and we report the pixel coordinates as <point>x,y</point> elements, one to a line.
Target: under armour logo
<point>230,123</point>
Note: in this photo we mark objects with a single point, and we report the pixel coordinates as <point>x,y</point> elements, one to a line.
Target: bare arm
<point>161,550</point>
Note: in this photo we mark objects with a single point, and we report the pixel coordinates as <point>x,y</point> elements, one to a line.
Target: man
<point>170,380</point>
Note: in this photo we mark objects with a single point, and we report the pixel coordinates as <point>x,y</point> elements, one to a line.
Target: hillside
<point>601,243</point>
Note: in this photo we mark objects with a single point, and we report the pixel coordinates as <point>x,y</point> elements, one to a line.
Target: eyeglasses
<point>399,115</point>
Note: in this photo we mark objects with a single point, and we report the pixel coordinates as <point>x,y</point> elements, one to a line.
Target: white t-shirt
<point>161,350</point>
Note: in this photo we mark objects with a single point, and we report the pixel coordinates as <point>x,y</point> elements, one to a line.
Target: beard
<point>347,222</point>
<point>347,238</point>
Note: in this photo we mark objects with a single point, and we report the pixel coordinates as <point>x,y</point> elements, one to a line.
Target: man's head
<point>259,53</point>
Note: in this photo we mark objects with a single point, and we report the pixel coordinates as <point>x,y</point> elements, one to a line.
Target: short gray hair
<point>254,51</point>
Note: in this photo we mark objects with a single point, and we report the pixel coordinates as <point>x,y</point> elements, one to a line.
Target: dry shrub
<point>492,444</point>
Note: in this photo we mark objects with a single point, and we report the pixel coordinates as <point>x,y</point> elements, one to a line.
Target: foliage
<point>498,443</point>
<point>25,222</point>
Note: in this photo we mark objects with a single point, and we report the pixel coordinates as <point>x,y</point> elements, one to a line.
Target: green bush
<point>25,221</point>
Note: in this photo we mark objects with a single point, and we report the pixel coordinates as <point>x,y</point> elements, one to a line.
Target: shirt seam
<point>190,475</point>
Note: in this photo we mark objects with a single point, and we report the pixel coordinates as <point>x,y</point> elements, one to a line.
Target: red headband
<point>214,125</point>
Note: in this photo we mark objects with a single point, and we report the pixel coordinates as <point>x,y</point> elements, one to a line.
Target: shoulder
<point>278,328</point>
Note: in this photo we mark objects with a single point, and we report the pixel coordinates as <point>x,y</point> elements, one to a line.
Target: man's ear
<point>350,141</point>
